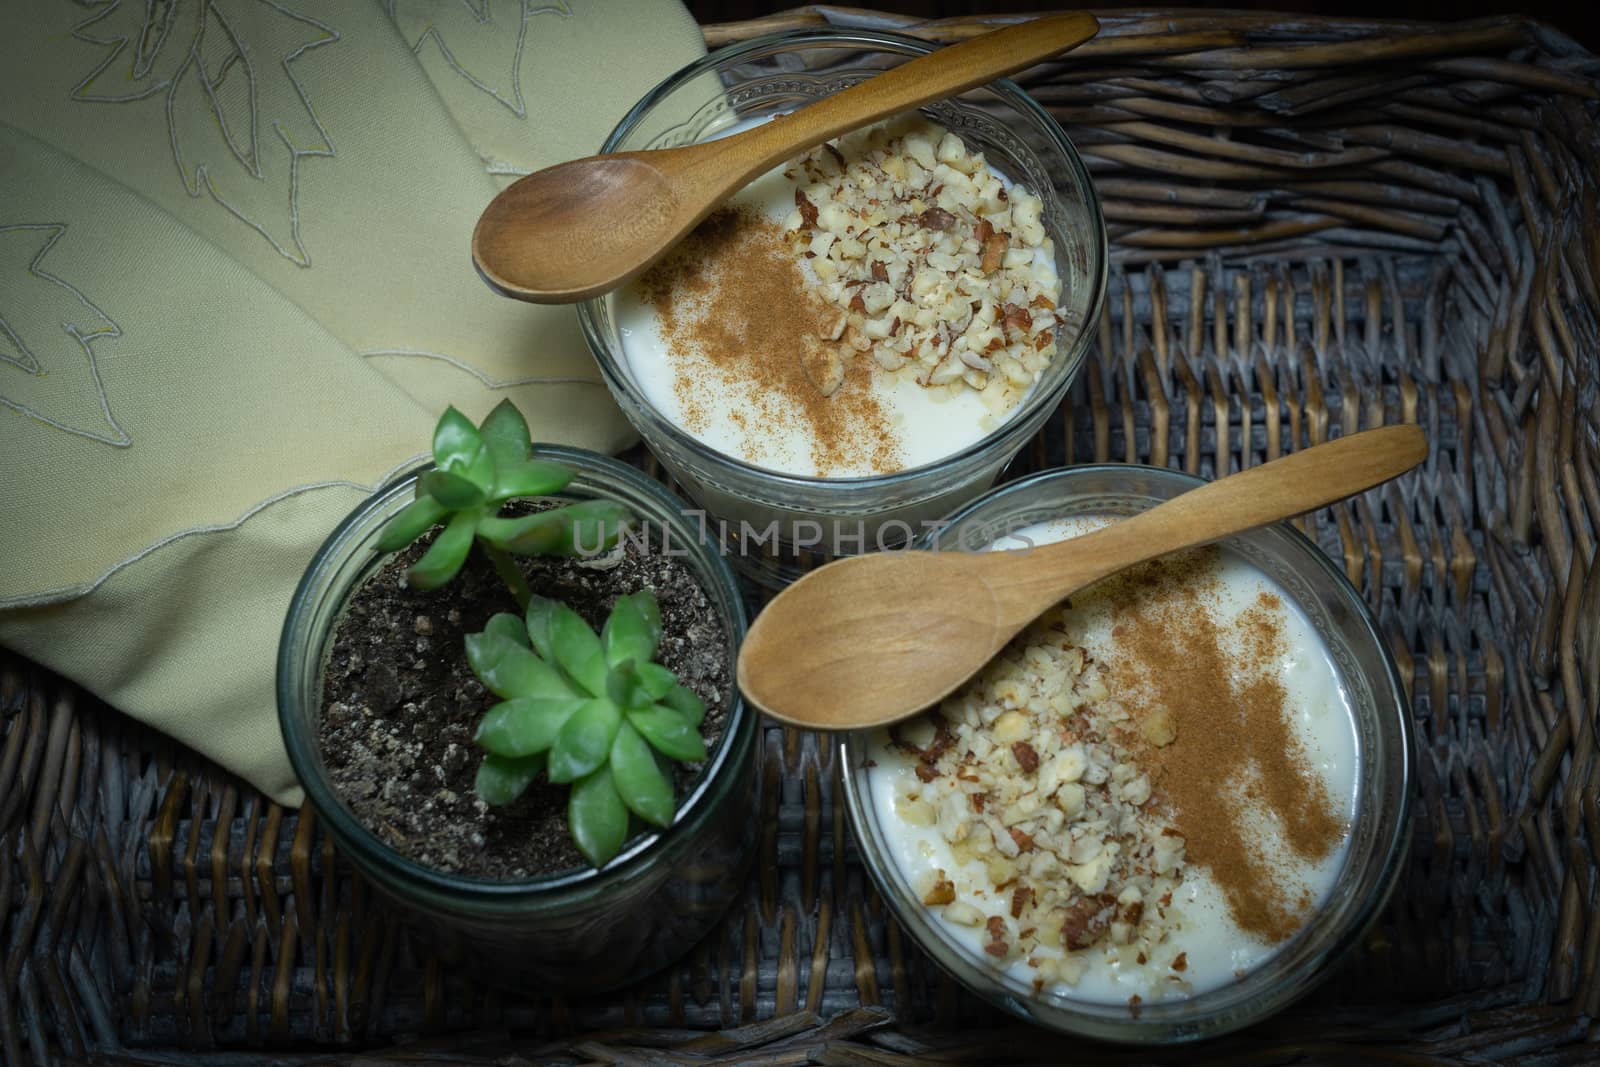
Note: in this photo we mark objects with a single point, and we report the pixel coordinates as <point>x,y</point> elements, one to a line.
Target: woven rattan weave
<point>1318,225</point>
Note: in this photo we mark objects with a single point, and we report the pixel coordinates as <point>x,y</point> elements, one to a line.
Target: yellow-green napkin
<point>235,291</point>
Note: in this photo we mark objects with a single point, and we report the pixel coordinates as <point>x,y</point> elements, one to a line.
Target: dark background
<point>1578,18</point>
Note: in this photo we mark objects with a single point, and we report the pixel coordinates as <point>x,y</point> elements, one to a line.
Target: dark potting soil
<point>400,703</point>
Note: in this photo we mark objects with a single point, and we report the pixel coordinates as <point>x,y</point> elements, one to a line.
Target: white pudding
<point>1145,797</point>
<point>864,310</point>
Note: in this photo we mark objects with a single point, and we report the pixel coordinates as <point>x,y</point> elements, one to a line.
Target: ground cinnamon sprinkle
<point>1295,792</point>
<point>733,304</point>
<point>1235,755</point>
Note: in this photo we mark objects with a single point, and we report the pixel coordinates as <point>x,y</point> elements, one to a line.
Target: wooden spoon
<point>583,228</point>
<point>874,639</point>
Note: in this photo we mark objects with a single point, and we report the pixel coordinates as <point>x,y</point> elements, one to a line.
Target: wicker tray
<point>1318,225</point>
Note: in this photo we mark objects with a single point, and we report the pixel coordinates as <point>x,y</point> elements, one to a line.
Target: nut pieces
<point>1028,773</point>
<point>942,274</point>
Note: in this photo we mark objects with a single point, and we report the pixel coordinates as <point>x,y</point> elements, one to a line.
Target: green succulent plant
<point>590,710</point>
<point>593,711</point>
<point>476,470</point>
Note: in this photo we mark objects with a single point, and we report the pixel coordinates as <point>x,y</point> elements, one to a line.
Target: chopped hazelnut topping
<point>825,368</point>
<point>1084,922</point>
<point>994,251</point>
<point>808,210</point>
<point>1083,799</point>
<point>997,945</point>
<point>1049,799</point>
<point>1159,728</point>
<point>1017,320</point>
<point>919,241</point>
<point>1019,897</point>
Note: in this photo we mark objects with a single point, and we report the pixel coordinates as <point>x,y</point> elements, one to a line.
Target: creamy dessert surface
<point>1144,797</point>
<point>877,304</point>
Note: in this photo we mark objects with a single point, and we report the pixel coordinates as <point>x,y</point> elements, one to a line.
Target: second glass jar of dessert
<point>776,523</point>
<point>1245,695</point>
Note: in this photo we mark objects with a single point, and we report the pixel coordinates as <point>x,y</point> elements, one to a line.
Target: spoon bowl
<point>581,229</point>
<point>877,638</point>
<point>556,233</point>
<point>920,663</point>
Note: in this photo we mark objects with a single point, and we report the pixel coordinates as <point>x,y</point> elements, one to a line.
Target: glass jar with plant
<point>505,683</point>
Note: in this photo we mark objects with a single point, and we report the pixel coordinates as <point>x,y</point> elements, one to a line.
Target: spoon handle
<point>943,73</point>
<point>1272,492</point>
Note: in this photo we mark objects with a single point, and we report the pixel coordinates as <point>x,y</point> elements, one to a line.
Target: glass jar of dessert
<point>860,340</point>
<point>1167,807</point>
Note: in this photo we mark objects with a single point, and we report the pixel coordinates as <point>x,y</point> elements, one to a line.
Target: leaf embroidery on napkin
<point>225,70</point>
<point>48,334</point>
<point>479,43</point>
